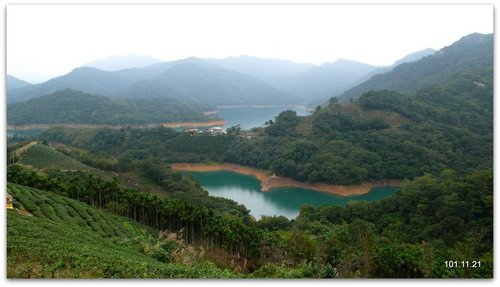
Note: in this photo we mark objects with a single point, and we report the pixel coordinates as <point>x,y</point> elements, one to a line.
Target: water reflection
<point>245,189</point>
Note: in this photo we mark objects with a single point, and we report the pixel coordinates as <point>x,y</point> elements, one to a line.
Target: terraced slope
<point>43,156</point>
<point>54,236</point>
<point>59,208</point>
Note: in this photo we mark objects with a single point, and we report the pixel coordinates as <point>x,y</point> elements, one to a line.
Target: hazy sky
<point>48,41</point>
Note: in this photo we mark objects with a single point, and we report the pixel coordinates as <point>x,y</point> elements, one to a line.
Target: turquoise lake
<point>245,189</point>
<point>24,133</point>
<point>250,117</point>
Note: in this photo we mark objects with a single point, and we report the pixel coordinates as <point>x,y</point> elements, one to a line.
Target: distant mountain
<point>91,80</point>
<point>86,79</point>
<point>470,53</point>
<point>275,72</point>
<point>74,107</point>
<point>406,59</point>
<point>14,83</point>
<point>329,79</point>
<point>115,63</point>
<point>189,79</point>
<point>199,81</point>
<point>307,82</point>
<point>414,56</point>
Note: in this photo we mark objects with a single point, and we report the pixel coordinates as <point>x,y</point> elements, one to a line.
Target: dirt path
<point>269,181</point>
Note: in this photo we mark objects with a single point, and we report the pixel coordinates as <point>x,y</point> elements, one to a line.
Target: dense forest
<point>470,53</point>
<point>74,107</point>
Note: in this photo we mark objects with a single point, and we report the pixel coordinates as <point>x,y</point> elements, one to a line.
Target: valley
<point>247,167</point>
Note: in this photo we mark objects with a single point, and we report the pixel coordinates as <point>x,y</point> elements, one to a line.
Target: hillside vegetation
<point>431,220</point>
<point>471,53</point>
<point>45,157</point>
<point>74,107</point>
<point>63,238</point>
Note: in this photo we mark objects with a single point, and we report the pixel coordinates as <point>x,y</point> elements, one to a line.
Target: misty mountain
<point>307,82</point>
<point>185,80</point>
<point>115,63</point>
<point>406,59</point>
<point>414,56</point>
<point>329,79</point>
<point>13,83</point>
<point>74,107</point>
<point>470,53</point>
<point>91,80</point>
<point>199,81</point>
<point>86,79</point>
<point>277,73</point>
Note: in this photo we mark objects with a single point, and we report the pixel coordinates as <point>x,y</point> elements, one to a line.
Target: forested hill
<point>385,134</point>
<point>470,53</point>
<point>74,107</point>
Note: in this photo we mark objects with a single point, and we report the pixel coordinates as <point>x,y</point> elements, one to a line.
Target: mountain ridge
<point>469,52</point>
<point>12,82</point>
<point>121,62</point>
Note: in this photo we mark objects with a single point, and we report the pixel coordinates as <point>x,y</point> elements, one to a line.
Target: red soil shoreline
<point>167,125</point>
<point>194,124</point>
<point>269,181</point>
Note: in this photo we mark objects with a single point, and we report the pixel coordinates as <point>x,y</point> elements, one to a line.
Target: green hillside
<point>74,107</point>
<point>63,238</point>
<point>62,209</point>
<point>470,53</point>
<point>42,156</point>
<point>409,235</point>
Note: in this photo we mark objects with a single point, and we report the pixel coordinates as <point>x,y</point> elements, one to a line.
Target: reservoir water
<point>245,189</point>
<point>24,133</point>
<point>250,117</point>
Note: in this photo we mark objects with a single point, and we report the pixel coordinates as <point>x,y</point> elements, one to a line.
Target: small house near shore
<point>215,131</point>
